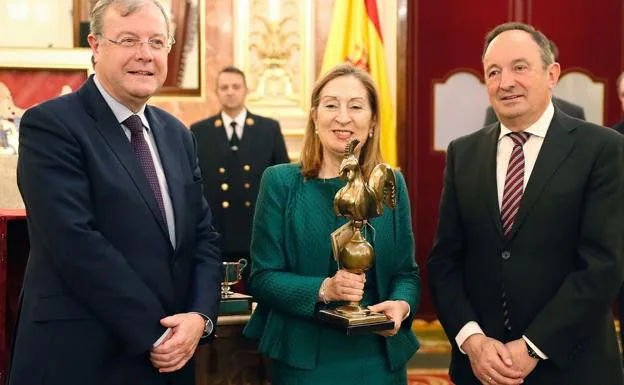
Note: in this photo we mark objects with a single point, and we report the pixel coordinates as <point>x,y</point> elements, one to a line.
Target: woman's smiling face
<point>343,114</point>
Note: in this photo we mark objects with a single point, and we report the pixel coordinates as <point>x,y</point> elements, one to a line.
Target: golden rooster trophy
<point>359,201</point>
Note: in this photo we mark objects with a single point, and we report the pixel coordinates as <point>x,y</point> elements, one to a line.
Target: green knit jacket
<point>290,252</point>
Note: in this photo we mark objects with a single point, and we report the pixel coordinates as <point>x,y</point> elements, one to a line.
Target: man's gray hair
<point>126,7</point>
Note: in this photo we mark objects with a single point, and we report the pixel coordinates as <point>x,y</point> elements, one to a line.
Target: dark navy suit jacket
<point>102,271</point>
<point>262,145</point>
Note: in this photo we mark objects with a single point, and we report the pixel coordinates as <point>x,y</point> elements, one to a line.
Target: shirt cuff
<point>162,338</point>
<point>535,348</point>
<point>209,326</point>
<point>469,329</point>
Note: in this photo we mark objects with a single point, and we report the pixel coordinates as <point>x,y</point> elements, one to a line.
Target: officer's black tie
<point>234,140</point>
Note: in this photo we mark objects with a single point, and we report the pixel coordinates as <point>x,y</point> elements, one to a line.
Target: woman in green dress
<point>294,272</point>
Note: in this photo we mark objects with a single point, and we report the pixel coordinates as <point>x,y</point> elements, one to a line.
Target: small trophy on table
<point>231,302</point>
<point>359,201</point>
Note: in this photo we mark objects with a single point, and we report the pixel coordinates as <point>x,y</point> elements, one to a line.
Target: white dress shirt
<point>240,123</point>
<point>531,149</point>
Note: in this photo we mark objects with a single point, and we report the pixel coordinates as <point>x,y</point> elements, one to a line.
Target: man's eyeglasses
<point>156,44</point>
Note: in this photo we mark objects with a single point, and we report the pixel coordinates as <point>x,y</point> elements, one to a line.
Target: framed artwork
<point>30,86</point>
<point>29,76</point>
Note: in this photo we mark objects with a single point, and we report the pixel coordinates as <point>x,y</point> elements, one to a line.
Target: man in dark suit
<point>124,270</point>
<point>619,127</point>
<point>569,108</point>
<point>527,258</point>
<point>235,147</point>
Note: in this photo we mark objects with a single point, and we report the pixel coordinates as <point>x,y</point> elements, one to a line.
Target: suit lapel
<point>487,164</point>
<point>113,134</point>
<point>555,149</point>
<point>170,161</point>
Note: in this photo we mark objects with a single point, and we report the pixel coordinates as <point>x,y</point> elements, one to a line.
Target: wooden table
<point>230,359</point>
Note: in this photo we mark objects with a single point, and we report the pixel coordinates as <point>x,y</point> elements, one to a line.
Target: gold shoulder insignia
<point>218,123</point>
<point>249,122</point>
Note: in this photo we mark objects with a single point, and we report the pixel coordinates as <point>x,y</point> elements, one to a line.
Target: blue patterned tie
<point>141,149</point>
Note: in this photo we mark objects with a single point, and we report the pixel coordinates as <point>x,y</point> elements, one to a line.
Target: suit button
<point>225,204</point>
<point>247,204</point>
<point>221,170</point>
<point>224,186</point>
<point>247,185</point>
<point>506,255</point>
<point>246,167</point>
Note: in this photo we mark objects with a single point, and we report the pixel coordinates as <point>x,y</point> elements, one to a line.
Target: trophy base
<point>357,323</point>
<point>235,303</point>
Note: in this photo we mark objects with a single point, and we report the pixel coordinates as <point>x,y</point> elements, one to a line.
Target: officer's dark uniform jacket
<point>231,178</point>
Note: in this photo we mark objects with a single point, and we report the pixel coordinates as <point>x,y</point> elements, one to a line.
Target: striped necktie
<point>514,182</point>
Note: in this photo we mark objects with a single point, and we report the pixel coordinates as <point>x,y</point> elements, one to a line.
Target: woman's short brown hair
<point>312,151</point>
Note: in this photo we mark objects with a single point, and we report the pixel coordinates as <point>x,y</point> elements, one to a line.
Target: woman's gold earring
<point>316,131</point>
<point>370,134</point>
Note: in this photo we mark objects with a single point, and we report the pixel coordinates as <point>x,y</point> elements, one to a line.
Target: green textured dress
<point>291,254</point>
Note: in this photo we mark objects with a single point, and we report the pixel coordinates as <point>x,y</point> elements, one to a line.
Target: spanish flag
<point>355,37</point>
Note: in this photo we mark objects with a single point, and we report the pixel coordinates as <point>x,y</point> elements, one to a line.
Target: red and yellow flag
<point>355,37</point>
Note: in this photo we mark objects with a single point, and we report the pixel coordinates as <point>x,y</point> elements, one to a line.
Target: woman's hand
<point>396,311</point>
<point>345,286</point>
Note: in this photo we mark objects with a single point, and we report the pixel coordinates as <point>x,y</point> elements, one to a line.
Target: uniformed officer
<point>234,148</point>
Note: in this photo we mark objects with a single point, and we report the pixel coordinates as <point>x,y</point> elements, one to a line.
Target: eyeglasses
<point>155,44</point>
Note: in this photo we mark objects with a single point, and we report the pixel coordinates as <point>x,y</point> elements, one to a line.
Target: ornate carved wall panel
<point>274,45</point>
